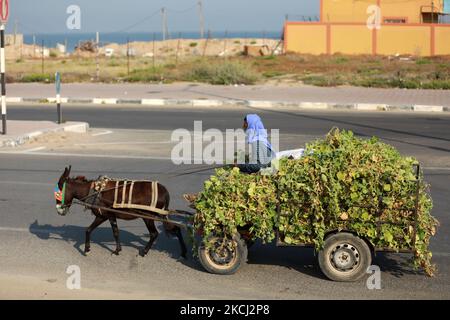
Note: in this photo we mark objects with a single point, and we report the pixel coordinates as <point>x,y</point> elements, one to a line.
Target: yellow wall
<point>345,10</point>
<point>442,36</point>
<point>350,35</point>
<point>351,39</point>
<point>306,38</point>
<point>356,10</point>
<point>404,40</point>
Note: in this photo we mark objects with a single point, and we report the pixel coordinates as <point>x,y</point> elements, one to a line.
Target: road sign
<point>58,82</point>
<point>4,11</point>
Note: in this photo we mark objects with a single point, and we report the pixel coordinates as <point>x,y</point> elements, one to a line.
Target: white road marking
<point>122,143</point>
<point>437,168</point>
<point>102,133</point>
<point>34,149</point>
<point>85,155</point>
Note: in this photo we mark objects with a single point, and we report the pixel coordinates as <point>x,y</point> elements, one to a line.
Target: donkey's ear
<point>70,168</point>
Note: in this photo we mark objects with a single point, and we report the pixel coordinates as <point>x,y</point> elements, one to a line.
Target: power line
<point>138,23</point>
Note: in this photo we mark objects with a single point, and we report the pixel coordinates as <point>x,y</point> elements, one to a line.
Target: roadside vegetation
<point>325,71</point>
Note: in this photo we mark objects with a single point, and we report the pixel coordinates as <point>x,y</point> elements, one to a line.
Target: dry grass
<point>368,71</point>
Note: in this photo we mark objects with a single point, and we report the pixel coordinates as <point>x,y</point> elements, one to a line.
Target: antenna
<point>202,19</point>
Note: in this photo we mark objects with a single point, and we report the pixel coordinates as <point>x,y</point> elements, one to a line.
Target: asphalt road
<point>36,242</point>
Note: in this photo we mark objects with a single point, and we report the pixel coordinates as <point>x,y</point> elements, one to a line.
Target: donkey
<point>79,188</point>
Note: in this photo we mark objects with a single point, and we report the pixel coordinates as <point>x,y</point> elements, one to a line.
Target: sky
<point>49,16</point>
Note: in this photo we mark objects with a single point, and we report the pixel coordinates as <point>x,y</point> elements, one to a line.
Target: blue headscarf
<point>256,131</point>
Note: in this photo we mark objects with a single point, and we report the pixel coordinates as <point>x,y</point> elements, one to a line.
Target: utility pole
<point>164,23</point>
<point>34,46</point>
<point>128,56</point>
<point>97,43</point>
<point>202,19</point>
<point>154,52</point>
<point>43,49</point>
<point>15,31</point>
<point>178,48</point>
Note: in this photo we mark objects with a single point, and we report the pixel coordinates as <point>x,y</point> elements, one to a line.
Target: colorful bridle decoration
<point>60,195</point>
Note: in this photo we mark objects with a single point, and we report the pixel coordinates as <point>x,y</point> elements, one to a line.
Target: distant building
<point>386,27</point>
<point>13,39</point>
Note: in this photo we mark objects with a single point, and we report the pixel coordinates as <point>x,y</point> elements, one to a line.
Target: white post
<point>2,72</point>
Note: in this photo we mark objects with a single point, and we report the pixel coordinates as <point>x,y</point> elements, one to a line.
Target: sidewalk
<point>261,95</point>
<point>21,131</point>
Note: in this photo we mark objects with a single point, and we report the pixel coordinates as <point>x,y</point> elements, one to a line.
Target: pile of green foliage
<point>342,183</point>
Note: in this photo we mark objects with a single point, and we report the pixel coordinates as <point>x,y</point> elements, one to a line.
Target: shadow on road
<point>397,265</point>
<point>300,259</point>
<point>304,260</point>
<point>103,237</point>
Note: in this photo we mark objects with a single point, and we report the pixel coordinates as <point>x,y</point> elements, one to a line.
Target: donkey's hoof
<point>142,253</point>
<point>115,252</point>
<point>86,251</point>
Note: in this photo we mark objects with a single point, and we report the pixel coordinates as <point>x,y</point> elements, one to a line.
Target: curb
<point>240,103</point>
<point>77,127</point>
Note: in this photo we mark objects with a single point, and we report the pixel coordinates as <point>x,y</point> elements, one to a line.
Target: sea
<point>73,39</point>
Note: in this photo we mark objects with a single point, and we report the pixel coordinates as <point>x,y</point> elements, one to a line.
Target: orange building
<point>382,27</point>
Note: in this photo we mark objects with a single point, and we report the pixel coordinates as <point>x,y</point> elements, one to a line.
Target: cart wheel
<point>345,257</point>
<point>224,256</point>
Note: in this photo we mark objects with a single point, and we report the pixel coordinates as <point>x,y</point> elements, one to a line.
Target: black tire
<point>345,257</point>
<point>226,261</point>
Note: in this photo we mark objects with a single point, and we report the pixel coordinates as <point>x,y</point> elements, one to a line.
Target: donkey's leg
<point>98,221</point>
<point>153,235</point>
<point>115,229</point>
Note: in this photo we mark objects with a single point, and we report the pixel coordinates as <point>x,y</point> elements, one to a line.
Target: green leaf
<point>341,175</point>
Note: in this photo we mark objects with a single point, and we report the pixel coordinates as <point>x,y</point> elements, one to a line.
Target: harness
<point>99,186</point>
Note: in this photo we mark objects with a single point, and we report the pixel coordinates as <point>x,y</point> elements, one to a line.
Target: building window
<point>395,20</point>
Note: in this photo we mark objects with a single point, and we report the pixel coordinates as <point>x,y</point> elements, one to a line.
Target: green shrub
<point>113,63</point>
<point>272,74</point>
<point>145,75</point>
<point>323,81</point>
<point>193,44</point>
<point>422,61</point>
<point>228,72</point>
<point>38,77</point>
<point>342,183</point>
<point>341,60</point>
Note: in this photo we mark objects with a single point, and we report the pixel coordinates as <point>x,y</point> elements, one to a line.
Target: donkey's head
<point>63,196</point>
